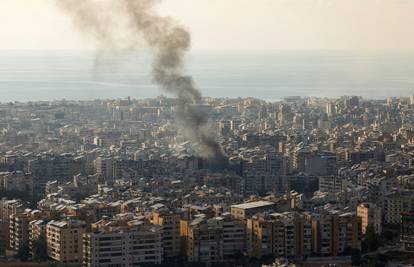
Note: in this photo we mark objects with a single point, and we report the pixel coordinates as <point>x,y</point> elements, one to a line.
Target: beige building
<point>9,207</point>
<point>37,230</point>
<point>19,230</point>
<point>214,240</point>
<point>279,234</point>
<point>246,210</point>
<point>370,214</point>
<point>332,233</point>
<point>170,223</point>
<point>202,240</point>
<point>64,241</point>
<point>122,243</point>
<point>19,227</point>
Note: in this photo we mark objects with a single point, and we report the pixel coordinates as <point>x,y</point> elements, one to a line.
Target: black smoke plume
<point>125,25</point>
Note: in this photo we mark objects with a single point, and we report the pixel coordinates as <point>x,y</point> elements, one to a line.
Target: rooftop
<point>251,205</point>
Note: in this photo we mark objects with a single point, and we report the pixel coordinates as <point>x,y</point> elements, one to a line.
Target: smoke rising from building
<point>126,25</point>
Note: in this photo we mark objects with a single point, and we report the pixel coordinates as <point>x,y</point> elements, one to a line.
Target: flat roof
<point>251,205</point>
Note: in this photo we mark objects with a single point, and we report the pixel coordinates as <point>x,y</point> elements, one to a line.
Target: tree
<point>372,240</point>
<point>23,253</point>
<point>356,257</point>
<point>40,249</point>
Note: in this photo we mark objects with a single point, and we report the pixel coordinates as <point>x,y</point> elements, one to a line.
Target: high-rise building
<point>279,234</point>
<point>9,207</point>
<point>234,236</point>
<point>396,202</point>
<point>37,230</point>
<point>4,236</point>
<point>48,167</point>
<point>334,232</point>
<point>203,240</point>
<point>170,223</point>
<point>215,240</point>
<point>370,214</point>
<point>19,230</point>
<point>104,168</point>
<point>407,231</point>
<point>330,109</point>
<point>120,243</point>
<point>16,181</point>
<point>64,241</point>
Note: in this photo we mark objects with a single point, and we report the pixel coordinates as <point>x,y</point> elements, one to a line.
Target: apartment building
<point>396,202</point>
<point>214,240</point>
<point>246,210</point>
<point>64,241</point>
<point>9,207</point>
<point>407,231</point>
<point>203,240</point>
<point>234,236</point>
<point>170,223</point>
<point>19,227</point>
<point>349,233</point>
<point>19,230</point>
<point>16,181</point>
<point>332,233</point>
<point>331,184</point>
<point>370,214</point>
<point>37,230</point>
<point>104,168</point>
<point>121,243</point>
<point>279,234</point>
<point>4,236</point>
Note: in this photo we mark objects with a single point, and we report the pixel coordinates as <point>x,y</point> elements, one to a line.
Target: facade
<point>395,203</point>
<point>19,230</point>
<point>285,235</point>
<point>370,214</point>
<point>331,184</point>
<point>203,240</point>
<point>114,244</point>
<point>407,231</point>
<point>215,240</point>
<point>259,183</point>
<point>9,207</point>
<point>170,223</point>
<point>333,233</point>
<point>37,230</point>
<point>234,236</point>
<point>4,236</point>
<point>16,181</point>
<point>64,241</point>
<point>48,167</point>
<point>104,167</point>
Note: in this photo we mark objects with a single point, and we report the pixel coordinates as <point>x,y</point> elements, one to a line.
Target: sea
<point>268,75</point>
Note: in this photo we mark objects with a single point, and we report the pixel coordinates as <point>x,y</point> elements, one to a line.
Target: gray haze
<point>124,24</point>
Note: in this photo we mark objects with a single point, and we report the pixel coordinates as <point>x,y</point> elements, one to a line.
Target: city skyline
<point>194,133</point>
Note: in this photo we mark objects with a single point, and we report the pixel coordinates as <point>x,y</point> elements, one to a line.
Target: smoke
<point>123,25</point>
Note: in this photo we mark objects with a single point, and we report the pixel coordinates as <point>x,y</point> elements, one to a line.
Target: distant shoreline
<point>267,75</point>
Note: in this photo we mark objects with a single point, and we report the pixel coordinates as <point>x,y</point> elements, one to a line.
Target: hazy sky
<point>235,24</point>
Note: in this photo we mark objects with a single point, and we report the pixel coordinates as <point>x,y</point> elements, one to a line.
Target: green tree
<point>40,249</point>
<point>23,253</point>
